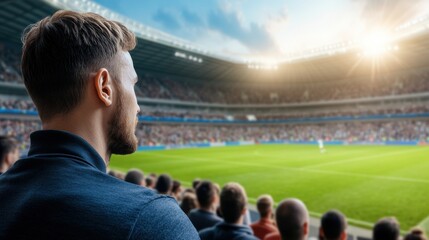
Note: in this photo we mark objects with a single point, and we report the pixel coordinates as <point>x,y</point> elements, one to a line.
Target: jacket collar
<point>45,142</point>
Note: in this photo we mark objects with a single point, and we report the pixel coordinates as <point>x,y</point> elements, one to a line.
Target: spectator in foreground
<point>415,234</point>
<point>265,225</point>
<point>292,221</point>
<point>333,226</point>
<point>9,152</point>
<point>136,177</point>
<point>80,75</point>
<point>386,229</point>
<point>208,199</point>
<point>233,202</point>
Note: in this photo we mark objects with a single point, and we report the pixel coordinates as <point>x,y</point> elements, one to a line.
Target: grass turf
<point>364,182</point>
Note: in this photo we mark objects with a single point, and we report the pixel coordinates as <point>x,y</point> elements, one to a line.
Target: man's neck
<point>89,132</point>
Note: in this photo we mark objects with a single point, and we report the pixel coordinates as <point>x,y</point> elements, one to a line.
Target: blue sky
<point>270,28</point>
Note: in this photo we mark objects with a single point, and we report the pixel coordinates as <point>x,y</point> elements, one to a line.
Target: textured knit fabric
<point>61,191</point>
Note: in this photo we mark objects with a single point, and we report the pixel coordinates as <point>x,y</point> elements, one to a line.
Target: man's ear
<point>343,235</point>
<point>321,234</point>
<point>103,86</point>
<point>306,228</point>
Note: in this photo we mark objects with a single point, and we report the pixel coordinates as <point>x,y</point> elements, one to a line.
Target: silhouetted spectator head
<point>292,219</point>
<point>9,152</point>
<point>164,184</point>
<point>207,194</point>
<point>135,176</point>
<point>189,202</point>
<point>176,190</point>
<point>233,200</point>
<point>195,183</point>
<point>265,206</point>
<point>386,229</point>
<point>150,183</point>
<point>333,226</point>
<point>415,234</point>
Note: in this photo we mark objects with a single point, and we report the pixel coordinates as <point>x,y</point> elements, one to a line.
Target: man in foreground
<point>78,71</point>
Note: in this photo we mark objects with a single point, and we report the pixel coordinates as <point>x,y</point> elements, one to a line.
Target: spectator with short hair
<point>265,225</point>
<point>233,202</point>
<point>9,152</point>
<point>333,226</point>
<point>135,176</point>
<point>78,71</point>
<point>208,199</point>
<point>195,183</point>
<point>386,229</point>
<point>176,190</point>
<point>150,183</point>
<point>415,234</point>
<point>189,202</point>
<point>293,221</point>
<point>164,184</point>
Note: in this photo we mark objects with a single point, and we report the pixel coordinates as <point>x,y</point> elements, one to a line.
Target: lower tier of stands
<point>371,132</point>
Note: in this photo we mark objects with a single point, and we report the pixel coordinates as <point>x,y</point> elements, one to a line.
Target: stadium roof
<point>158,52</point>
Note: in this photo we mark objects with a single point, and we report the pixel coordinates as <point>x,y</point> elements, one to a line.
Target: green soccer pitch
<point>364,182</point>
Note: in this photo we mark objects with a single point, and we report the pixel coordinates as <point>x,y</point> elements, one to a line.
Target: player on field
<point>321,147</point>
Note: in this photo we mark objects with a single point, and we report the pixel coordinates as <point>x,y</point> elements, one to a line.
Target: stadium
<point>209,116</point>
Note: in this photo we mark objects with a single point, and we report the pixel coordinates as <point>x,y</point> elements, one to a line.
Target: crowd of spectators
<point>8,103</point>
<point>401,130</point>
<point>385,85</point>
<point>17,104</point>
<point>179,134</point>
<point>10,62</point>
<point>222,213</point>
<point>165,87</point>
<point>349,111</point>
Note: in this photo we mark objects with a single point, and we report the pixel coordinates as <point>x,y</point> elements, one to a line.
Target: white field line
<point>364,158</point>
<point>399,179</point>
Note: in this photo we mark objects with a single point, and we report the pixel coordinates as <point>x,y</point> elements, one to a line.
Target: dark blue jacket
<point>61,191</point>
<point>203,219</point>
<point>226,231</point>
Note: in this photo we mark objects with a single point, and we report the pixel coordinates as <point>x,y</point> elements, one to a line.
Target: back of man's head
<point>292,219</point>
<point>386,229</point>
<point>333,226</point>
<point>9,152</point>
<point>164,184</point>
<point>195,183</point>
<point>265,205</point>
<point>233,200</point>
<point>61,51</point>
<point>149,182</point>
<point>135,176</point>
<point>206,194</point>
<point>415,234</point>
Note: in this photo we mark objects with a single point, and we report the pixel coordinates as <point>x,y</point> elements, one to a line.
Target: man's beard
<point>122,138</point>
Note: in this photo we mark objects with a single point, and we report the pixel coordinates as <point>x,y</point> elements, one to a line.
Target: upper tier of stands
<point>155,87</point>
<point>263,93</point>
